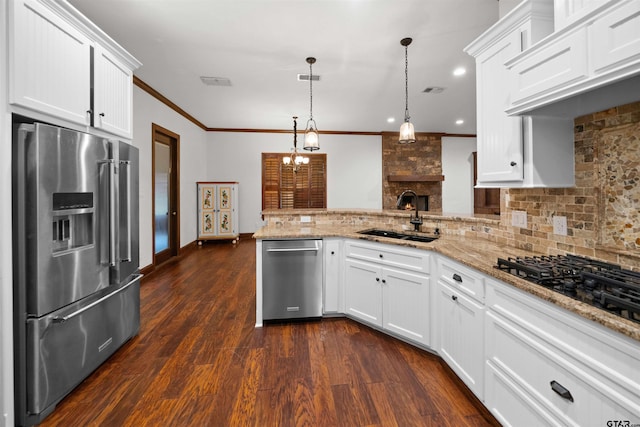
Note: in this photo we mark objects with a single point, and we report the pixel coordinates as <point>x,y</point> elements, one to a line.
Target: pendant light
<point>311,142</point>
<point>296,158</point>
<point>407,134</point>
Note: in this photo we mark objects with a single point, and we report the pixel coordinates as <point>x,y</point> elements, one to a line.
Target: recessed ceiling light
<point>459,121</point>
<point>460,71</point>
<point>391,120</point>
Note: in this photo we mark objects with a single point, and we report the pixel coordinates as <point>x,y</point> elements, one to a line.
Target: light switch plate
<point>560,225</point>
<point>519,219</point>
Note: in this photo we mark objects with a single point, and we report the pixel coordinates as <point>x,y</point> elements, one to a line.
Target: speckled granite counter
<point>477,253</point>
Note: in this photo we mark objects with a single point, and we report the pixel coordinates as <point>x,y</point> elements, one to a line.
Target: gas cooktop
<point>601,284</point>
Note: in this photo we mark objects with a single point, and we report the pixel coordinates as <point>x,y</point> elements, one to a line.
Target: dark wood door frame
<point>165,136</point>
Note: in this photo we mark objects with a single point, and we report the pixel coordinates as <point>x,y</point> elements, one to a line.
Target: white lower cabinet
<point>546,366</point>
<point>531,362</point>
<point>396,300</point>
<point>461,331</point>
<point>363,291</point>
<point>332,303</point>
<point>460,322</point>
<point>405,308</point>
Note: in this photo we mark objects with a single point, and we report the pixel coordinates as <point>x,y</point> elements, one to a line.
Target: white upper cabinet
<point>513,151</point>
<point>566,12</point>
<point>113,94</point>
<point>59,59</point>
<point>590,63</point>
<point>500,136</point>
<point>49,63</point>
<point>615,39</point>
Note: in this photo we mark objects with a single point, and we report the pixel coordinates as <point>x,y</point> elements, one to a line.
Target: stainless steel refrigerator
<point>76,264</point>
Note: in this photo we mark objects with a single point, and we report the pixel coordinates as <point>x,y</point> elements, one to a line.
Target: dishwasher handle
<point>293,249</point>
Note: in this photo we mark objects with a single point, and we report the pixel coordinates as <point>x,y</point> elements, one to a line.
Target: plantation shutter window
<point>282,188</point>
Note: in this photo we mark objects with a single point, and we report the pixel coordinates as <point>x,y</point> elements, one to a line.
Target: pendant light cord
<point>310,90</point>
<point>295,134</point>
<point>406,83</point>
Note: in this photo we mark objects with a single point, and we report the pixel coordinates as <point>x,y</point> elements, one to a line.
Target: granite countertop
<point>476,253</point>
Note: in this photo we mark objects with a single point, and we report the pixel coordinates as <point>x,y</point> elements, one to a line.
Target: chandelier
<point>407,134</point>
<point>311,142</point>
<point>295,158</point>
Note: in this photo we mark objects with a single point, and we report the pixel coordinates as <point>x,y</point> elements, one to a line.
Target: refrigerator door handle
<point>112,213</point>
<point>60,319</point>
<point>128,220</point>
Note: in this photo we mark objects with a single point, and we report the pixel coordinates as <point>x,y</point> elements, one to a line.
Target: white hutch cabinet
<point>217,210</point>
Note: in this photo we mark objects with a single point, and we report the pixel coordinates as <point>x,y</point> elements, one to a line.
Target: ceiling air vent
<point>305,77</point>
<point>215,81</point>
<point>433,89</point>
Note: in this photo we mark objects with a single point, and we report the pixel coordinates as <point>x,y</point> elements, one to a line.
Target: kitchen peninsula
<point>526,351</point>
<point>475,241</point>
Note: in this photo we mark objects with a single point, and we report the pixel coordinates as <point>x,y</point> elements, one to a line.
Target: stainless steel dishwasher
<point>291,279</point>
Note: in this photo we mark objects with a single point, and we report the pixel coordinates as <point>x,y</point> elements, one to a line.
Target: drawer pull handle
<point>377,279</point>
<point>384,281</point>
<point>457,278</point>
<point>454,297</point>
<point>563,392</point>
<point>380,255</point>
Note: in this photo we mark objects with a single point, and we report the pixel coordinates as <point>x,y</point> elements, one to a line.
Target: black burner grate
<point>601,284</point>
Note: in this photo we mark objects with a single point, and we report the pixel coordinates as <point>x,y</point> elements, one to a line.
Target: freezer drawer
<point>67,345</point>
<point>291,279</point>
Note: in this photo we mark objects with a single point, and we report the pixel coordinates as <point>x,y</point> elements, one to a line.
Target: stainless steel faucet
<point>417,221</point>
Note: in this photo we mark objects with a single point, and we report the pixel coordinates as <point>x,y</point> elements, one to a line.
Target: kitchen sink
<point>397,235</point>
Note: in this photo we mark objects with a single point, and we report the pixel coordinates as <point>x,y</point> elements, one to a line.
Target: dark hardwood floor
<point>199,361</point>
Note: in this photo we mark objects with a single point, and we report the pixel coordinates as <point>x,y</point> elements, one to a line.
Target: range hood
<point>591,64</point>
<point>610,95</point>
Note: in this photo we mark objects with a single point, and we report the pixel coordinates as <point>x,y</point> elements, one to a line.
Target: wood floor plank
<point>244,408</point>
<point>199,361</point>
<point>380,395</point>
<point>323,403</point>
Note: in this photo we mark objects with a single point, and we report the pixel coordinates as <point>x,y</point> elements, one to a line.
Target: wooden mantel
<point>415,178</point>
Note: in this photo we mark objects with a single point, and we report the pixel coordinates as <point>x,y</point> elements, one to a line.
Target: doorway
<point>166,194</point>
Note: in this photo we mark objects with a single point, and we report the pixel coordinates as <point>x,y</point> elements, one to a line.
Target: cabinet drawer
<point>534,342</point>
<point>559,64</point>
<point>388,255</point>
<point>552,381</point>
<point>461,278</point>
<point>615,38</point>
<point>511,405</point>
<point>607,356</point>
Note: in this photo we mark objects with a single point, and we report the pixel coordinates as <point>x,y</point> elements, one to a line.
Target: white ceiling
<point>261,46</point>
